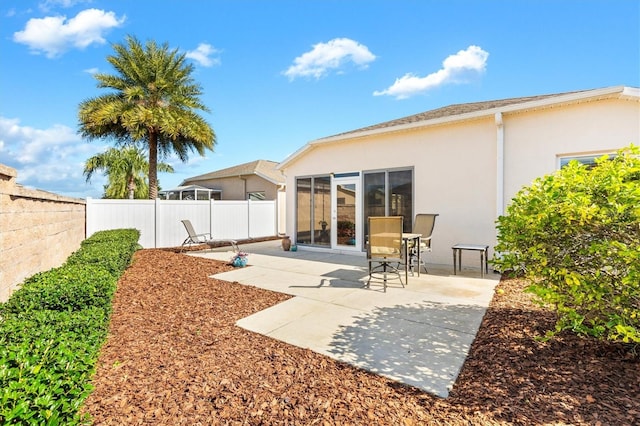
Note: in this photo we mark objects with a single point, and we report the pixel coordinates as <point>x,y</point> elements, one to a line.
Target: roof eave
<point>623,91</point>
<point>267,178</point>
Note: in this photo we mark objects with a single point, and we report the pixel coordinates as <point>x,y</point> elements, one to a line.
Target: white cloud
<point>332,55</point>
<point>203,55</point>
<point>54,35</point>
<point>458,68</point>
<point>51,159</point>
<point>92,71</point>
<point>48,4</point>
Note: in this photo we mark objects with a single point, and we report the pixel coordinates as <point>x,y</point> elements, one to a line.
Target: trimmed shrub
<point>575,235</point>
<point>51,331</point>
<point>67,288</point>
<point>111,250</point>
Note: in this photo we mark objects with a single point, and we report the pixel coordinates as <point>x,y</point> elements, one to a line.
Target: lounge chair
<point>206,238</point>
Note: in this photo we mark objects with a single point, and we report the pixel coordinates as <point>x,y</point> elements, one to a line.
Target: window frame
<point>587,159</point>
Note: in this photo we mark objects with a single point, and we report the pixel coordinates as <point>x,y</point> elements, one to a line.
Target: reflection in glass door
<point>346,226</point>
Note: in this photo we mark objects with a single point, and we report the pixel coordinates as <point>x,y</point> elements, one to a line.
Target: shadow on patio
<point>418,334</point>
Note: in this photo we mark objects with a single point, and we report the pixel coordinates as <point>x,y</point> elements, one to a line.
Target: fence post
<point>211,200</point>
<point>156,221</point>
<point>249,218</point>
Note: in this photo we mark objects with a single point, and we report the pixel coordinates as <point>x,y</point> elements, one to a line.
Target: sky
<point>278,74</point>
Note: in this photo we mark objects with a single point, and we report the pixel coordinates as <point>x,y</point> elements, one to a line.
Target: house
<point>464,162</point>
<point>256,180</point>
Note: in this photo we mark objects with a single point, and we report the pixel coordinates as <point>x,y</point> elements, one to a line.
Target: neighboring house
<point>257,180</point>
<point>464,162</point>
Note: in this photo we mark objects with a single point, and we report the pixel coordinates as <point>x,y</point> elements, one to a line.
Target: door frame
<point>346,178</point>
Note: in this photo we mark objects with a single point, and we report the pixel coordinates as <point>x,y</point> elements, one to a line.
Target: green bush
<point>51,331</point>
<point>69,287</point>
<point>111,250</point>
<point>575,235</point>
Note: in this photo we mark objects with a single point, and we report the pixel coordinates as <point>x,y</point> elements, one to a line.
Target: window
<point>587,160</point>
<point>257,196</point>
<point>389,193</point>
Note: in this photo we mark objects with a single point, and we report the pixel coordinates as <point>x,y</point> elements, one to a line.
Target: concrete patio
<point>419,335</point>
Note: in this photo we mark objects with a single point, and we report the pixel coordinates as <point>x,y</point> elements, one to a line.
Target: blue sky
<point>277,74</point>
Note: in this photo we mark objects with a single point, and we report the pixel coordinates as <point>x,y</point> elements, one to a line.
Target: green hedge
<point>51,330</point>
<point>111,250</point>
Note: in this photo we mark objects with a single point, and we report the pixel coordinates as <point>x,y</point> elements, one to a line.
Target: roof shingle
<point>263,168</point>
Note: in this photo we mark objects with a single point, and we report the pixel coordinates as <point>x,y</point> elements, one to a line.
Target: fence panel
<point>171,231</point>
<point>159,220</point>
<point>230,219</point>
<point>114,214</point>
<point>262,218</point>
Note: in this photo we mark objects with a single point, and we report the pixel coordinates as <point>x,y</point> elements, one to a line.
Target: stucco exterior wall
<point>456,167</point>
<point>454,176</point>
<point>38,230</point>
<point>535,140</point>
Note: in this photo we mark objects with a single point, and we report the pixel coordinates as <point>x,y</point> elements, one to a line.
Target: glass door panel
<point>401,197</point>
<point>346,224</point>
<point>322,211</point>
<point>303,211</point>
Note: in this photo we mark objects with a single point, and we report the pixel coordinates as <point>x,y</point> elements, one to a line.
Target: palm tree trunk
<point>153,165</point>
<point>130,187</point>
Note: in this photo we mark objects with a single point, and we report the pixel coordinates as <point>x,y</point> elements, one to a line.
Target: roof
<point>263,168</point>
<point>471,111</point>
<point>183,188</point>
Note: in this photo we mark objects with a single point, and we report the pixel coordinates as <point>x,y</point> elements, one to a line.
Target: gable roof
<point>263,168</point>
<point>471,111</point>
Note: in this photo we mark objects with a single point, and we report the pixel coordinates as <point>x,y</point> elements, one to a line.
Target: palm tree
<point>126,171</point>
<point>153,104</point>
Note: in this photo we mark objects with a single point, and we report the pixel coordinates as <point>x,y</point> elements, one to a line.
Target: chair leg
<point>384,280</point>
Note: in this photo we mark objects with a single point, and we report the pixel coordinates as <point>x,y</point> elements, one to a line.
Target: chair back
<point>385,237</point>
<point>424,224</point>
<point>189,227</point>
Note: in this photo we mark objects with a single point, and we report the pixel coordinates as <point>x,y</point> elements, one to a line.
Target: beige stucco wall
<point>455,165</point>
<point>236,188</point>
<point>38,230</point>
<point>454,176</point>
<point>535,140</point>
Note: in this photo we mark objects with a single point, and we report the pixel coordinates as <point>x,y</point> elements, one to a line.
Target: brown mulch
<point>175,357</point>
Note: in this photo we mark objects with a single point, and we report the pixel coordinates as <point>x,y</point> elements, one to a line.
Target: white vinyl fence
<point>159,220</point>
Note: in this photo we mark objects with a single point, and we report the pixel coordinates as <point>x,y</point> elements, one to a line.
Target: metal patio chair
<point>423,224</point>
<point>205,238</point>
<point>384,248</point>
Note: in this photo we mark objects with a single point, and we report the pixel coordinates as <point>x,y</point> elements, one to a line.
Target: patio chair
<point>384,248</point>
<point>206,238</point>
<point>423,224</point>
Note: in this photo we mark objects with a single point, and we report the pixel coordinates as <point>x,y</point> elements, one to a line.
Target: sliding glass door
<point>332,212</point>
<point>389,193</point>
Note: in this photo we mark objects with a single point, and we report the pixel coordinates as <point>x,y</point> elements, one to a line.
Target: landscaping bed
<point>174,356</point>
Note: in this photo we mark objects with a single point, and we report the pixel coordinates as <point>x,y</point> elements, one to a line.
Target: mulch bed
<point>175,357</point>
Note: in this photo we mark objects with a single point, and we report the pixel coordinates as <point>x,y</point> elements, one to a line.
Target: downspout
<point>499,165</point>
<point>244,187</point>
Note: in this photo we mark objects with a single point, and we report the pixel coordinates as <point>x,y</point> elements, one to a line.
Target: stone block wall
<point>38,230</point>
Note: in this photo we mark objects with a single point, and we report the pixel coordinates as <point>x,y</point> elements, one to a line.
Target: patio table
<point>406,237</point>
